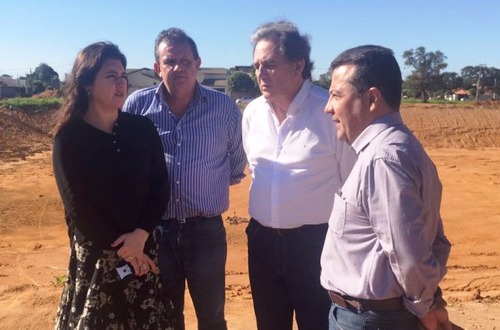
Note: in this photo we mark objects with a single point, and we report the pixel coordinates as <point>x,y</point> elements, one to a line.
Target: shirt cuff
<point>236,180</point>
<point>421,307</point>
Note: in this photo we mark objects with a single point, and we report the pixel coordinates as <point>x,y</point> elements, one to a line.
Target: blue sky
<point>52,32</point>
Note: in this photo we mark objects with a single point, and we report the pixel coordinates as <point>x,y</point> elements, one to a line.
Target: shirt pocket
<point>337,219</point>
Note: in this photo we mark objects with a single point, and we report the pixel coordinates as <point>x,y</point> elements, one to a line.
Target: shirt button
<point>178,144</point>
<point>179,163</point>
<point>177,182</point>
<point>177,200</point>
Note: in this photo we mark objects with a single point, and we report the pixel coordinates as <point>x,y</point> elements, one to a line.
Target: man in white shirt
<point>385,251</point>
<point>297,165</point>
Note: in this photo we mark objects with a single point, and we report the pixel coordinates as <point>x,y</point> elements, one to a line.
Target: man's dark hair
<point>291,43</point>
<point>376,67</point>
<point>175,36</point>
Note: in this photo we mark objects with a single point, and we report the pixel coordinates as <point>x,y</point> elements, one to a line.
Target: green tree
<point>324,80</point>
<point>427,69</point>
<point>450,81</point>
<point>411,87</point>
<point>242,83</point>
<point>480,78</point>
<point>42,78</point>
<point>447,82</point>
<point>469,75</point>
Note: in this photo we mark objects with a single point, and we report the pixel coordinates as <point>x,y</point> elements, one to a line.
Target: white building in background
<point>10,87</point>
<point>215,78</point>
<point>141,78</point>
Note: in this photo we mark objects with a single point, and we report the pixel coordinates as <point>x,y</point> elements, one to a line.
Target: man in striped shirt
<point>201,133</point>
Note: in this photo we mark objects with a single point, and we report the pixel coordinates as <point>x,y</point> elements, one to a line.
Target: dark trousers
<point>195,252</point>
<point>284,268</point>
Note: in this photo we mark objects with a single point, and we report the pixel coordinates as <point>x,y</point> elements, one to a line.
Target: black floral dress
<point>94,296</point>
<point>110,184</point>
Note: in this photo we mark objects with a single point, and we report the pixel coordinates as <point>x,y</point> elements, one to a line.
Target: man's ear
<point>198,62</point>
<point>156,67</point>
<point>375,98</point>
<point>299,67</point>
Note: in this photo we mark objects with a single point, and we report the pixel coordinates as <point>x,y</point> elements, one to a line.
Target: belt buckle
<point>181,221</point>
<point>344,302</point>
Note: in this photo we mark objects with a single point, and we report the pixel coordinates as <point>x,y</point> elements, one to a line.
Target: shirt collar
<point>374,129</point>
<point>299,99</point>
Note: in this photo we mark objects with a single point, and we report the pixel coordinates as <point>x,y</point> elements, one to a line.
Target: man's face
<point>177,67</point>
<point>277,77</point>
<point>350,111</point>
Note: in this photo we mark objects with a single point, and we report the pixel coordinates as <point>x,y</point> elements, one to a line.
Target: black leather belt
<point>190,219</point>
<point>184,220</point>
<point>284,231</point>
<point>393,304</point>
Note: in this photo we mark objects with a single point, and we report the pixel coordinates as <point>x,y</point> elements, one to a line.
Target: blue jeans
<point>284,269</point>
<point>346,319</point>
<point>195,252</point>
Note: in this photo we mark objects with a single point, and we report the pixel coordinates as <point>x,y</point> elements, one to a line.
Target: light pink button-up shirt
<point>385,236</point>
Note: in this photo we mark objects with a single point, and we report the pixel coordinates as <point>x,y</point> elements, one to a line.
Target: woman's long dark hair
<point>88,62</point>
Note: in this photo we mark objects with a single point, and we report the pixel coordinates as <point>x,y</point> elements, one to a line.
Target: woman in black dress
<point>110,171</point>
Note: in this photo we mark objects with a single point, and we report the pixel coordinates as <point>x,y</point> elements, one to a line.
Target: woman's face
<point>109,90</point>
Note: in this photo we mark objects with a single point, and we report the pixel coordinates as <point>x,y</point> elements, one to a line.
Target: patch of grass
<point>59,280</point>
<point>29,104</point>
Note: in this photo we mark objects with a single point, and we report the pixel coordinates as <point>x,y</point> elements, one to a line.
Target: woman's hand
<point>142,264</point>
<point>132,251</point>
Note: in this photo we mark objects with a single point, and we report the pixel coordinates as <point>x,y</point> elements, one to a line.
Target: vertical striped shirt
<point>203,149</point>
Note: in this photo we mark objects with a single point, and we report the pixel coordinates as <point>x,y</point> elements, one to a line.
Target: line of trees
<point>426,80</point>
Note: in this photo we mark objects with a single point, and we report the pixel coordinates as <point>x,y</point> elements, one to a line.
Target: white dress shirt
<point>385,236</point>
<point>296,166</point>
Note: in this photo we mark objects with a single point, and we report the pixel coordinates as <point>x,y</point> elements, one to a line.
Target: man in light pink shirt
<point>385,251</point>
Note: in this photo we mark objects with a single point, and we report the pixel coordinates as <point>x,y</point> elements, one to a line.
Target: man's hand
<point>437,318</point>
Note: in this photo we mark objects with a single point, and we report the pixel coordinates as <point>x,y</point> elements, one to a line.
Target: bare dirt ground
<point>463,141</point>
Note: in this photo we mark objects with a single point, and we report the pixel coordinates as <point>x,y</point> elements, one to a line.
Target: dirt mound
<point>462,126</point>
<point>48,93</point>
<point>23,134</point>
